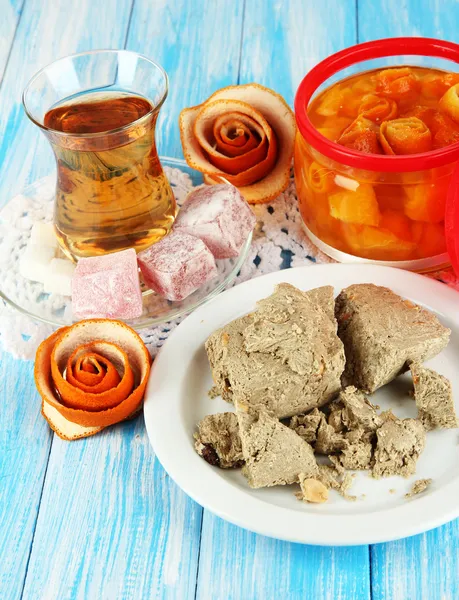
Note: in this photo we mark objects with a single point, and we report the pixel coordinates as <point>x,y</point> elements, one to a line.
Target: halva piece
<point>358,411</point>
<point>399,445</point>
<point>306,426</point>
<point>418,487</point>
<point>285,356</point>
<point>434,399</point>
<point>218,442</point>
<point>273,453</point>
<point>382,333</point>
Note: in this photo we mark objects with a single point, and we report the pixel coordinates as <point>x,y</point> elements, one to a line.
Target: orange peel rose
<point>91,375</point>
<point>377,109</point>
<point>407,135</point>
<point>361,135</point>
<point>244,134</point>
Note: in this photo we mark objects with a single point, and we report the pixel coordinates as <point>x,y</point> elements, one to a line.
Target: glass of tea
<point>99,112</point>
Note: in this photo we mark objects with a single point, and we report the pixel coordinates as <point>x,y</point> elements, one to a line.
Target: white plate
<point>176,400</point>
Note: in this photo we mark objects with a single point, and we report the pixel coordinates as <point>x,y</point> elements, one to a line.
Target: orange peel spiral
<point>91,375</point>
<point>377,109</point>
<point>361,135</point>
<point>243,134</point>
<point>408,135</point>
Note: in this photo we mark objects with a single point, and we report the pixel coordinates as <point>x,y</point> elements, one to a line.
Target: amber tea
<point>111,193</point>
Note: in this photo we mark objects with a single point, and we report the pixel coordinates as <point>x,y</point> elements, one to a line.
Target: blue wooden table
<point>99,518</point>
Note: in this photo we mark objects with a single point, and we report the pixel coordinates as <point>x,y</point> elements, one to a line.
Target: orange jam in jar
<point>375,153</point>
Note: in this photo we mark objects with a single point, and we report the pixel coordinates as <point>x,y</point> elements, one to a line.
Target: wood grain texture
<point>111,526</point>
<point>281,41</point>
<point>48,29</point>
<point>25,442</point>
<point>393,18</point>
<point>142,531</point>
<point>24,436</point>
<point>10,15</point>
<point>424,566</point>
<point>238,565</point>
<point>198,44</point>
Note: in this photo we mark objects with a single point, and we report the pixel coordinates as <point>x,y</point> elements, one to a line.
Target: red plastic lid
<point>394,164</point>
<point>452,221</point>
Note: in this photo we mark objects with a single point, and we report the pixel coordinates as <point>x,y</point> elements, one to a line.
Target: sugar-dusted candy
<point>43,234</point>
<point>34,263</point>
<point>107,286</point>
<point>177,265</point>
<point>58,279</point>
<point>219,216</point>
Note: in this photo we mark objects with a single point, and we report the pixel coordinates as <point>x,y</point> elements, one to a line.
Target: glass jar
<point>409,191</point>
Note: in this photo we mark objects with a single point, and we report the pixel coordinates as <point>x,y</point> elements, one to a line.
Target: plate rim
<point>214,497</point>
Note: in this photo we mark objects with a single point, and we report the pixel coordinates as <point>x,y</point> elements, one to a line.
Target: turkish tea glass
<point>99,111</point>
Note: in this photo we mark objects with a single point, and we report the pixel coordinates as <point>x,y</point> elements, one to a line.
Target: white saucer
<point>36,203</point>
<point>177,399</point>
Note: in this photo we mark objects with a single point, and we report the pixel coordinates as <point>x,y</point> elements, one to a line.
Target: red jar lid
<point>393,164</point>
<point>452,221</point>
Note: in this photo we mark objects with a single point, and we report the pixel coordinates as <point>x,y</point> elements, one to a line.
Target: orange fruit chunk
<point>359,207</point>
<point>338,102</point>
<point>400,84</point>
<point>390,196</point>
<point>426,201</point>
<point>434,85</point>
<point>430,239</point>
<point>449,102</point>
<point>377,244</point>
<point>397,223</point>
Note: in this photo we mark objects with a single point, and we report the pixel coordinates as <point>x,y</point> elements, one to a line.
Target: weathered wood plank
<point>198,44</point>
<point>420,567</point>
<point>24,448</point>
<point>235,564</point>
<point>46,31</point>
<point>281,41</point>
<point>424,566</point>
<point>10,15</point>
<point>140,532</point>
<point>111,525</point>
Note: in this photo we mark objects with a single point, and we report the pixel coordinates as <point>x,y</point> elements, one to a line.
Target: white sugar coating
<point>43,234</point>
<point>35,262</point>
<point>58,280</point>
<point>219,216</point>
<point>177,265</point>
<point>107,286</point>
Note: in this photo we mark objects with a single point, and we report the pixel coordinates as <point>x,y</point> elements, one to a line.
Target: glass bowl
<point>323,167</point>
<point>36,203</point>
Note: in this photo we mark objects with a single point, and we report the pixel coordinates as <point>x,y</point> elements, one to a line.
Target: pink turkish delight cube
<point>177,265</point>
<point>219,216</point>
<point>107,286</point>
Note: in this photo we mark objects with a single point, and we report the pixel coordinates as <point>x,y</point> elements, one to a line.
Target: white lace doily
<point>279,242</point>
